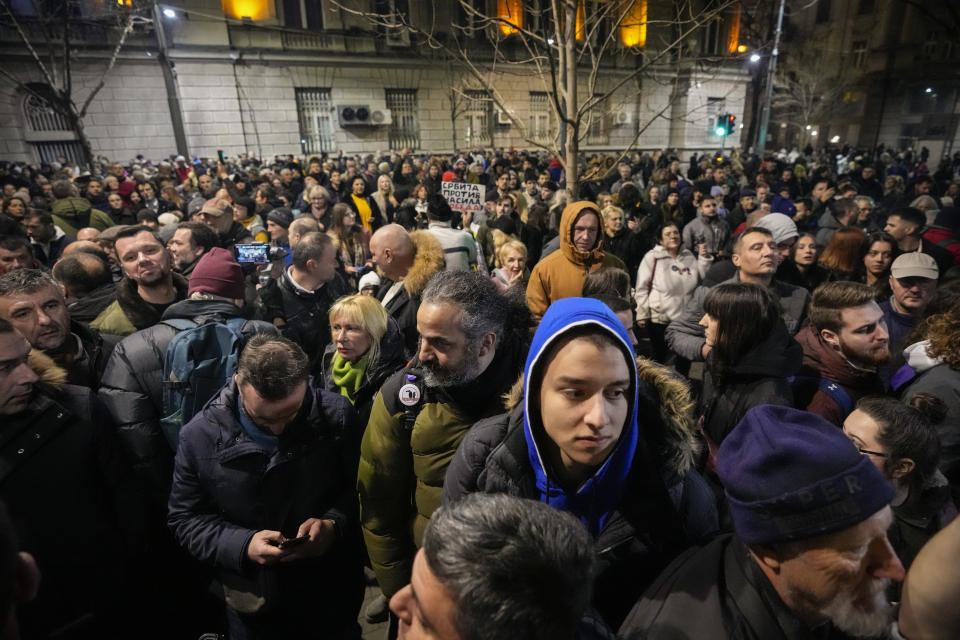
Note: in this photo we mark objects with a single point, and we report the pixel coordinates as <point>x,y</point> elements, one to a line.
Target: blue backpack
<point>200,360</point>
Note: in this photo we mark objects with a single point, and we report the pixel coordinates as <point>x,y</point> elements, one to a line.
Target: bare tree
<point>48,38</point>
<point>565,55</point>
<point>805,96</point>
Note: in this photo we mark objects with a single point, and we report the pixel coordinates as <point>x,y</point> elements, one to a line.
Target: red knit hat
<point>217,273</point>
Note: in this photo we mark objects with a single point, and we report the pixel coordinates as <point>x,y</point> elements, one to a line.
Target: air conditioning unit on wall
<point>363,115</point>
<point>503,118</point>
<point>621,118</point>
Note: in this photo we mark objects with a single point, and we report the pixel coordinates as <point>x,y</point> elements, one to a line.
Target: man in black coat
<point>809,556</point>
<point>33,303</point>
<point>263,491</point>
<point>70,494</point>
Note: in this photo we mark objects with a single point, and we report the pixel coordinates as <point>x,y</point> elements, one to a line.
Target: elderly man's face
<point>913,293</point>
<point>842,576</point>
<point>41,316</point>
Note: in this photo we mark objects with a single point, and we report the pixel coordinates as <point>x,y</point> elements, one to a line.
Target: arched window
<point>47,131</point>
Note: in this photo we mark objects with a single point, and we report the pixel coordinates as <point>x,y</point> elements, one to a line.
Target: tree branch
<point>128,28</point>
<point>28,45</point>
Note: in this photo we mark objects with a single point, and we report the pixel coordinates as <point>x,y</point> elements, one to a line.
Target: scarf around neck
<point>348,376</point>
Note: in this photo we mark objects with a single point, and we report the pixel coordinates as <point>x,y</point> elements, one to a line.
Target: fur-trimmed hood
<point>140,313</point>
<point>427,262</point>
<point>678,446</point>
<point>52,376</point>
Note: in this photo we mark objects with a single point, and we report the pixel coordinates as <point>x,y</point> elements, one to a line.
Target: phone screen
<point>252,253</point>
<point>220,154</point>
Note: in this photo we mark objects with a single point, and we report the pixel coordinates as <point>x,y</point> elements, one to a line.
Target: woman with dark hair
<point>671,210</point>
<point>366,208</point>
<point>136,201</point>
<point>901,441</point>
<point>751,356</point>
<point>842,254</point>
<point>118,211</point>
<point>170,200</point>
<point>877,254</point>
<point>804,255</point>
<point>15,207</point>
<point>350,241</point>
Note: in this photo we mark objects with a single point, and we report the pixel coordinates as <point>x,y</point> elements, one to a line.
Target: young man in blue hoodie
<point>574,442</point>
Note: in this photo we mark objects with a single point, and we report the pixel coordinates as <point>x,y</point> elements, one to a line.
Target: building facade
<point>307,77</point>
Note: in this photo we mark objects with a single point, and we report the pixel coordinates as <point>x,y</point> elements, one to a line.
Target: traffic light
<point>725,124</point>
<point>730,123</point>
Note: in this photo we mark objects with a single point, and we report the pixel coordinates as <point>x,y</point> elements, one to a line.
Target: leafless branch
<point>127,30</point>
<point>26,42</point>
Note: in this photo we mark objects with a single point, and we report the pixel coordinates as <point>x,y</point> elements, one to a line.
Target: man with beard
<point>809,556</point>
<point>218,215</point>
<point>913,281</point>
<point>843,346</point>
<point>473,341</point>
<point>33,303</point>
<point>189,243</point>
<point>149,285</point>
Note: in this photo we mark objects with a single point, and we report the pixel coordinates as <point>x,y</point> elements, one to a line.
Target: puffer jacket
<point>403,307</point>
<point>643,506</point>
<point>665,283</point>
<point>132,389</point>
<point>389,360</point>
<point>74,213</point>
<point>561,274</point>
<point>227,486</point>
<point>712,232</point>
<point>759,376</point>
<point>129,312</point>
<point>402,467</point>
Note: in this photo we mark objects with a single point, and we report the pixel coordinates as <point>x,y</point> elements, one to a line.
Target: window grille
<point>597,129</point>
<point>859,53</point>
<point>405,128</point>
<point>53,151</point>
<point>49,132</point>
<point>540,116</point>
<point>479,118</point>
<point>42,117</point>
<point>715,106</point>
<point>315,111</point>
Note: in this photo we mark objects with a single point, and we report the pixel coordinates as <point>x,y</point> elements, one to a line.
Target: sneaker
<point>377,610</point>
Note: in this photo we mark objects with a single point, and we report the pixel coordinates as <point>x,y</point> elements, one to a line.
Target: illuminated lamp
<point>510,12</point>
<point>633,27</point>
<point>252,9</point>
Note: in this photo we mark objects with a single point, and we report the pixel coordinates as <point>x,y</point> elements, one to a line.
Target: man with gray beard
<point>473,341</point>
<point>809,556</point>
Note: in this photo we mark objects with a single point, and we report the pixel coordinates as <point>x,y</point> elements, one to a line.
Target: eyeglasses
<point>867,452</point>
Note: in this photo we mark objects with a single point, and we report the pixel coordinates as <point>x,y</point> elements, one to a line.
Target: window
<point>597,129</point>
<point>711,37</point>
<point>316,120</point>
<point>859,53</point>
<point>930,45</point>
<point>823,12</point>
<point>303,14</point>
<point>539,116</point>
<point>405,128</point>
<point>478,118</point>
<point>47,131</point>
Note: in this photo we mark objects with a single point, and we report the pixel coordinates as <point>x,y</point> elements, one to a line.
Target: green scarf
<point>348,375</point>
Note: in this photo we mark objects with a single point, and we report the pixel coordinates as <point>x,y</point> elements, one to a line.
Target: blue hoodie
<point>599,495</point>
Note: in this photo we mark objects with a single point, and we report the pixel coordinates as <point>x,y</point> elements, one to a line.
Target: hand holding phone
<point>290,543</point>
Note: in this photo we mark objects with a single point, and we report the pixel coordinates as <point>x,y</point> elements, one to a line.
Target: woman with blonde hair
<point>385,198</point>
<point>365,348</point>
<point>319,200</point>
<point>512,271</point>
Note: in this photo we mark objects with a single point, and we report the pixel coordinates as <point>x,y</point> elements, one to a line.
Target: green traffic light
<point>721,131</point>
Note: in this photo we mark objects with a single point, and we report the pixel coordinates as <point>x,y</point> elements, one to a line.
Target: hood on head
<point>567,220</point>
<point>604,489</point>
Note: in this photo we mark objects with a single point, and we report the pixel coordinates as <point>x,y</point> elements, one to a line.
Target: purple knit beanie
<point>217,273</point>
<point>791,475</point>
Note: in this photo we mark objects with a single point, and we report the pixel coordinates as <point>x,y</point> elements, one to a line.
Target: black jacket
<point>627,246</point>
<point>73,502</point>
<point>305,314</point>
<point>87,369</point>
<point>389,360</point>
<point>131,389</point>
<point>227,486</point>
<point>716,592</point>
<point>88,307</point>
<point>757,377</point>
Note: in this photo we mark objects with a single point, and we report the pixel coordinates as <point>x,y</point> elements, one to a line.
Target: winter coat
<point>402,467</point>
<point>459,247</point>
<point>716,592</point>
<point>685,335</point>
<point>48,254</point>
<point>73,503</point>
<point>927,510</point>
<point>944,382</point>
<point>561,274</point>
<point>304,313</point>
<point>627,246</point>
<point>827,226</point>
<point>643,505</point>
<point>759,376</point>
<point>236,234</point>
<point>129,312</point>
<point>403,307</point>
<point>377,218</point>
<point>712,232</point>
<point>132,389</point>
<point>664,283</point>
<point>821,361</point>
<point>226,487</point>
<point>389,360</point>
<point>86,308</point>
<point>75,213</point>
<point>86,369</point>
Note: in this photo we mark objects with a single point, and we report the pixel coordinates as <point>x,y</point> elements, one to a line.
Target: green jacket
<point>401,474</point>
<point>129,312</point>
<point>72,214</point>
<point>113,321</point>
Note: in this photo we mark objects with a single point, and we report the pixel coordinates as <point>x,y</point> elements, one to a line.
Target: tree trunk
<point>76,123</point>
<point>572,117</point>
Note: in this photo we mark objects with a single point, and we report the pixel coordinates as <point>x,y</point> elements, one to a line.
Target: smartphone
<point>362,270</point>
<point>252,253</point>
<point>220,155</point>
<point>290,543</point>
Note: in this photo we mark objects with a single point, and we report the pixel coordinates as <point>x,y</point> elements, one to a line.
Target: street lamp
<point>755,58</point>
<point>169,13</point>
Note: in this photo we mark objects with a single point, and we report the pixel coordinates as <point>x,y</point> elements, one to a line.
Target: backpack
<point>200,360</point>
<point>832,389</point>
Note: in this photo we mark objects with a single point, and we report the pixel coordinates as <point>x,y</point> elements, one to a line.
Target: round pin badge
<point>409,395</point>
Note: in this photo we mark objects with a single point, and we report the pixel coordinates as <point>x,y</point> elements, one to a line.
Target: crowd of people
<point>704,397</point>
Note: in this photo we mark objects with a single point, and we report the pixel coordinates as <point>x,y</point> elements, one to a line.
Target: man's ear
<point>767,556</point>
<point>735,258</point>
<point>831,338</point>
<point>487,345</point>
<point>903,467</point>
